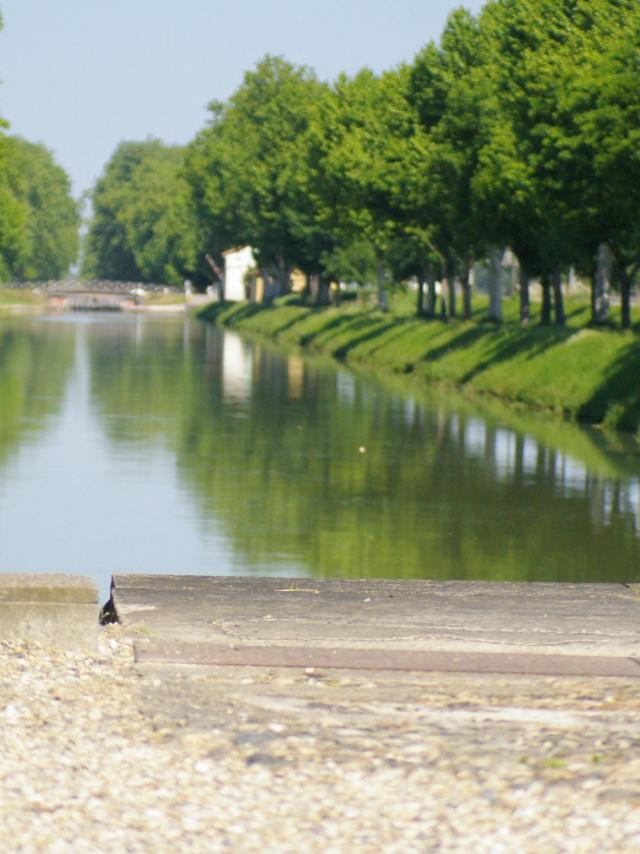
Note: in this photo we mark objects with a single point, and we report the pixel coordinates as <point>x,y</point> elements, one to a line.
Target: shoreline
<point>582,375</point>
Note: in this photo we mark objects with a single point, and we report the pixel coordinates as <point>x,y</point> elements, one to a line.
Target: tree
<point>143,227</point>
<point>245,168</point>
<point>38,218</point>
<point>49,215</point>
<point>357,146</point>
<point>448,91</point>
<point>601,104</point>
<point>159,222</point>
<point>543,167</point>
<point>14,239</point>
<point>108,252</point>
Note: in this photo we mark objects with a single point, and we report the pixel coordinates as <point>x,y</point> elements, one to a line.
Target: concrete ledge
<point>420,615</point>
<point>58,611</point>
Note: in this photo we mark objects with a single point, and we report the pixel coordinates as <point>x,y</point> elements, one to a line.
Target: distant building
<point>237,264</point>
<point>244,281</point>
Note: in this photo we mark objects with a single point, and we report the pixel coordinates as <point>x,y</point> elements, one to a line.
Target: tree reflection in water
<point>303,464</point>
<point>207,452</point>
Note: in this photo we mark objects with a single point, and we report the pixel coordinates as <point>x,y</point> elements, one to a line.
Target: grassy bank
<point>584,374</point>
<point>19,296</point>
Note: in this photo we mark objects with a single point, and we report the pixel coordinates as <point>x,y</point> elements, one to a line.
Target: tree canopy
<point>519,128</point>
<point>143,227</point>
<point>247,168</point>
<point>39,219</point>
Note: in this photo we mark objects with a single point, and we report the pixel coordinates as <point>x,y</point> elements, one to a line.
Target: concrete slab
<point>342,658</point>
<point>58,611</point>
<point>598,620</point>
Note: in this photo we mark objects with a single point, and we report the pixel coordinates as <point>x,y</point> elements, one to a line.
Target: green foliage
<point>38,218</point>
<point>565,136</point>
<point>448,91</point>
<point>142,228</point>
<point>357,144</point>
<point>246,167</point>
<point>351,262</point>
<point>14,238</point>
<point>520,128</point>
<point>52,224</point>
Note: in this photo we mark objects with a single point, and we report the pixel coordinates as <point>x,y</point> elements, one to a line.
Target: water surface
<point>142,444</point>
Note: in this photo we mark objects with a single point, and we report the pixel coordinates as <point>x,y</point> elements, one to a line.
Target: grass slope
<point>584,374</point>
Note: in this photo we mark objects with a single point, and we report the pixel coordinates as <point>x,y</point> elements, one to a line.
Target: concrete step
<point>386,625</point>
<point>57,611</point>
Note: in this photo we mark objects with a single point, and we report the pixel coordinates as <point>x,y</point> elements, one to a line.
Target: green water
<point>144,444</point>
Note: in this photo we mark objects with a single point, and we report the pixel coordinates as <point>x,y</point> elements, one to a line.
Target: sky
<point>82,75</point>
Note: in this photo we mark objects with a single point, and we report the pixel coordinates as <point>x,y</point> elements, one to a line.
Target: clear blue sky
<point>81,75</point>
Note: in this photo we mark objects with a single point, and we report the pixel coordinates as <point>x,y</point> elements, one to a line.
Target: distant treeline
<point>519,129</point>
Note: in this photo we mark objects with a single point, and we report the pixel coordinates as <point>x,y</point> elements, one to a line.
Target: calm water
<point>141,444</point>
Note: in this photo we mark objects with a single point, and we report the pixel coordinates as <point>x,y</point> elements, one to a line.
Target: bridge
<point>93,295</point>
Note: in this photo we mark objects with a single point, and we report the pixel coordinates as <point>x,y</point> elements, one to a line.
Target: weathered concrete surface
<point>404,615</point>
<point>491,761</point>
<point>344,658</point>
<point>57,611</point>
<point>386,634</point>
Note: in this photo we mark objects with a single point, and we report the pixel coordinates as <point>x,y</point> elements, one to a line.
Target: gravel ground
<point>306,762</point>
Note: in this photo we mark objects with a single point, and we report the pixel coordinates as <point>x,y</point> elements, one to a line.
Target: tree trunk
<point>443,302</point>
<point>217,270</point>
<point>495,284</point>
<point>600,285</point>
<point>558,298</point>
<point>269,290</point>
<point>314,287</point>
<point>381,284</point>
<point>545,310</point>
<point>625,297</point>
<point>466,292</point>
<point>450,276</point>
<point>420,295</point>
<point>319,289</point>
<point>284,275</point>
<point>306,293</point>
<point>525,303</point>
<point>432,296</point>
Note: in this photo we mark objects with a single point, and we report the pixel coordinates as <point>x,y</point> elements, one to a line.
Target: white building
<point>237,263</point>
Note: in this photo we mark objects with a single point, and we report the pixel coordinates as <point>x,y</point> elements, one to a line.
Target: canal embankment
<point>576,372</point>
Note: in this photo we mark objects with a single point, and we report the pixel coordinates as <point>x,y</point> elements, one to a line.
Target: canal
<point>161,444</point>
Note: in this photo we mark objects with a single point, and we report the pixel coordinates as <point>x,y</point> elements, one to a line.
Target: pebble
<point>83,769</point>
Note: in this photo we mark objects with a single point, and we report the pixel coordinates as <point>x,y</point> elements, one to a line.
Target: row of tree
<point>39,220</point>
<point>520,129</point>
